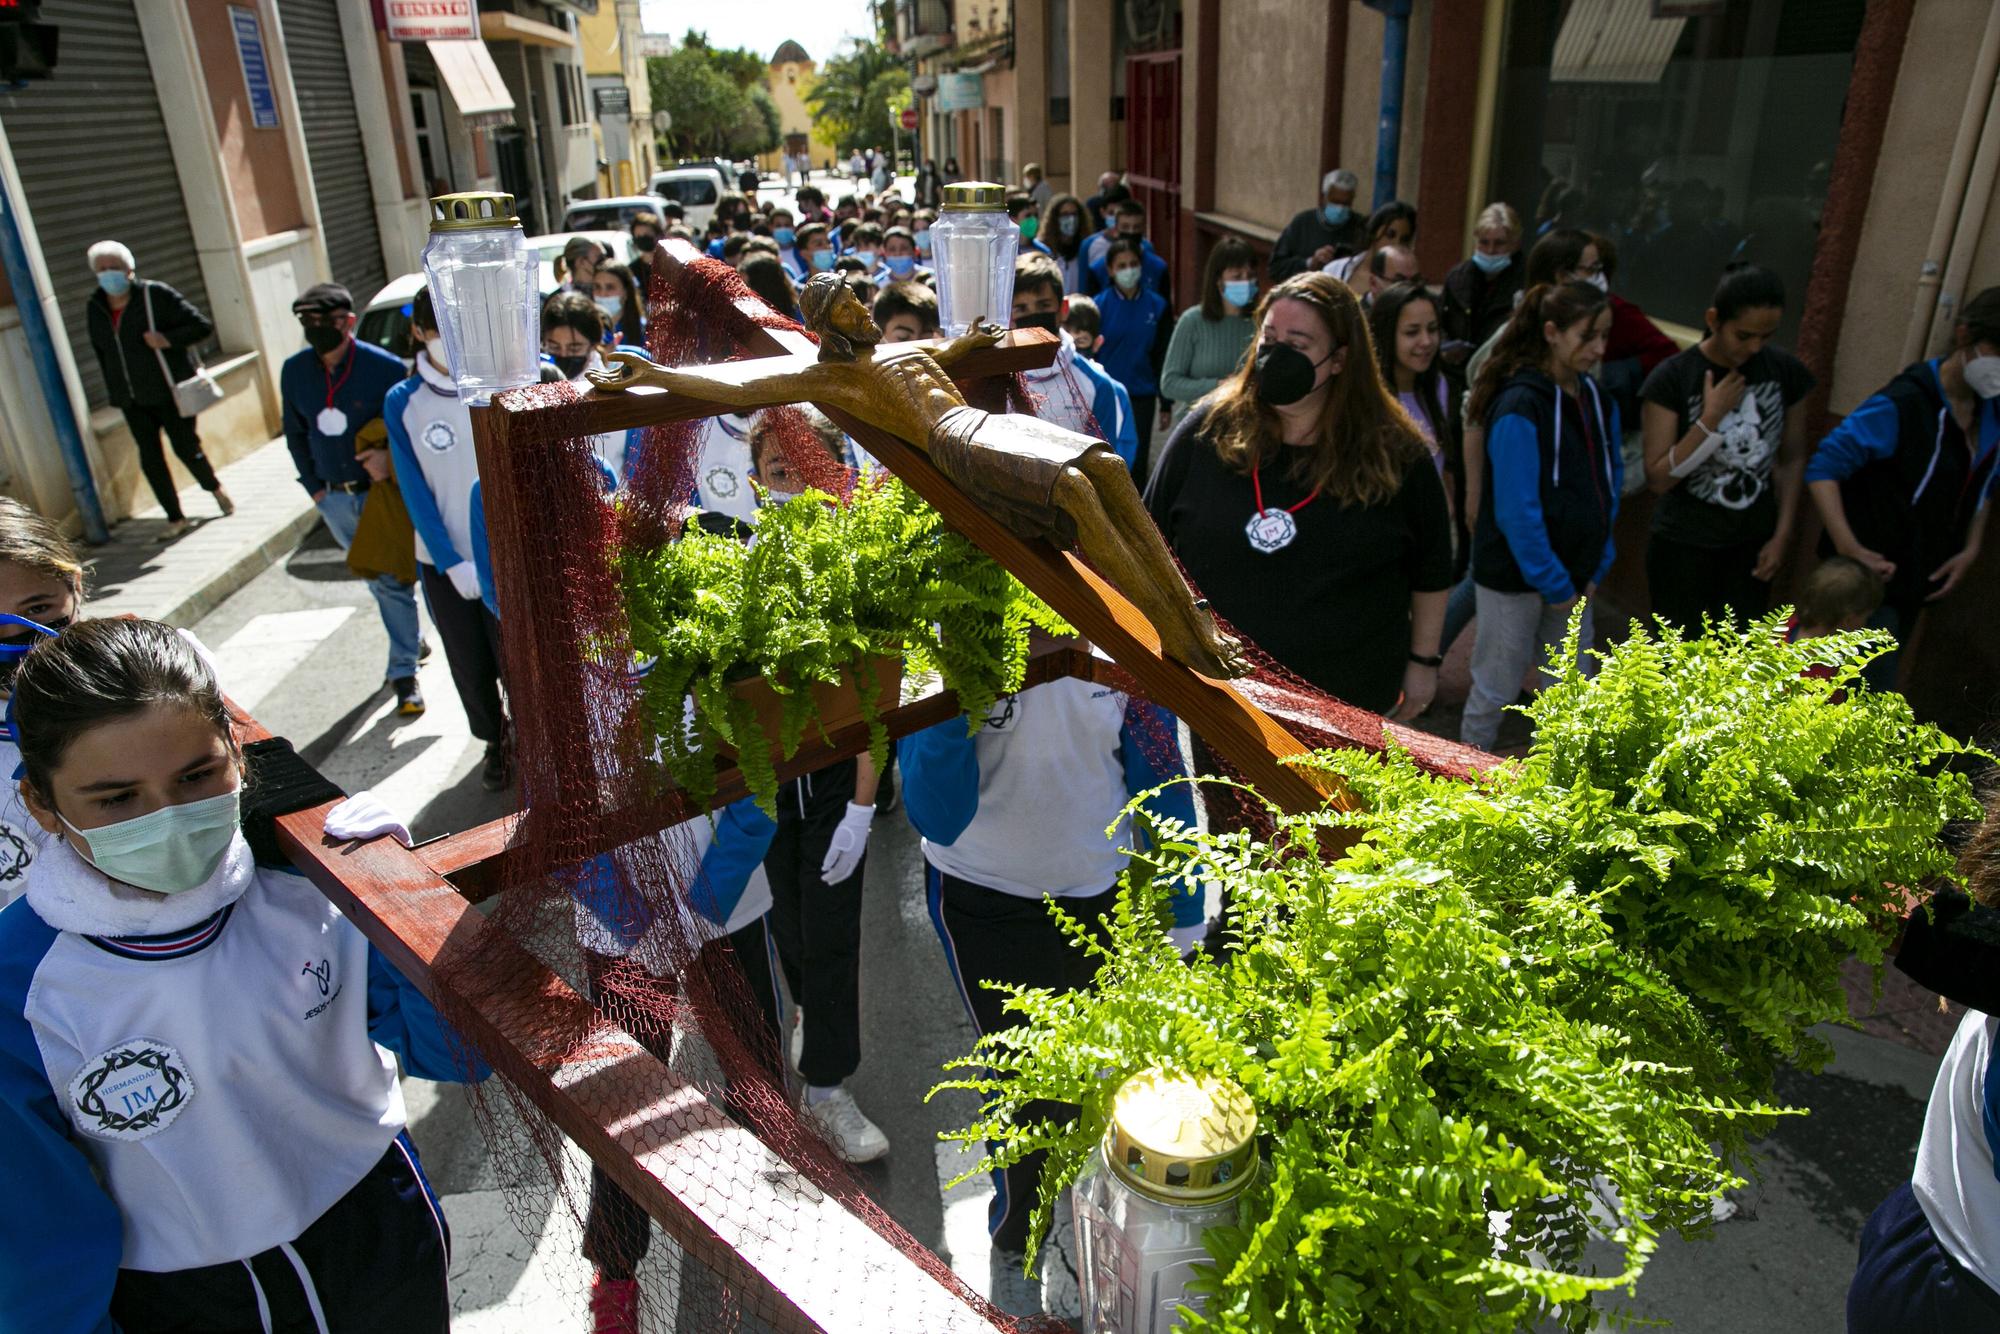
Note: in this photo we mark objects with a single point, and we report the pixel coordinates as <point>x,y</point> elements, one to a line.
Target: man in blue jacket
<point>1131,226</point>
<point>332,388</point>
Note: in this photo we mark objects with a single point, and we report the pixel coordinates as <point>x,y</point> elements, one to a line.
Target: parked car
<point>385,321</point>
<point>695,188</point>
<point>614,214</point>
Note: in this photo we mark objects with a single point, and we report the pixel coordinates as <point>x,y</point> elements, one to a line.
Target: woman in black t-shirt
<point>1306,508</point>
<point>1726,454</point>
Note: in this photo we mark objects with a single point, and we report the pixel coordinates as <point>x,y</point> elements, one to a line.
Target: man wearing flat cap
<point>331,389</point>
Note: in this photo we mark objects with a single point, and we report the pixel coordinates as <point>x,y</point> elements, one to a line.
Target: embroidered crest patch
<point>135,1089</point>
<point>440,437</point>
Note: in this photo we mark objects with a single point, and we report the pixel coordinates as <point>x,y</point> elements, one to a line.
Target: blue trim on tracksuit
<point>1112,407</point>
<point>1873,432</point>
<point>418,498</point>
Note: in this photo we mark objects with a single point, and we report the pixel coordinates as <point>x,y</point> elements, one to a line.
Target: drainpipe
<point>1389,121</point>
<point>1937,279</point>
<point>35,325</point>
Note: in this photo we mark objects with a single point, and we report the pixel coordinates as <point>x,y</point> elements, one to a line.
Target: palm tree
<point>851,93</point>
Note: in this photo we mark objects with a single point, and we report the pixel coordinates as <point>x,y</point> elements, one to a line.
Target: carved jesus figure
<point>1038,478</point>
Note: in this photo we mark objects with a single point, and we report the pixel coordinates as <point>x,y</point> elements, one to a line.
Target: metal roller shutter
<point>94,160</point>
<point>318,60</point>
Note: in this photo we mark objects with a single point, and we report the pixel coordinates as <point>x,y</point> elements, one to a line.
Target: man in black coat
<point>141,331</point>
<point>1318,236</point>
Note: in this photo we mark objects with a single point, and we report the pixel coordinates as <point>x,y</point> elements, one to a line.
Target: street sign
<point>613,99</point>
<point>960,91</point>
<point>431,20</point>
<point>908,118</point>
<point>256,70</point>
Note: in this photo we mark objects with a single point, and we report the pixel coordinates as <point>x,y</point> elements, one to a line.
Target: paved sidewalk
<point>183,580</point>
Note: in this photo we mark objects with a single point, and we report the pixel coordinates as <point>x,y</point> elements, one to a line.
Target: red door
<point>1153,144</point>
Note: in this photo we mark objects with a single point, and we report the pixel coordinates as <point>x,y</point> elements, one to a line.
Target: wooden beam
<point>799,1257</point>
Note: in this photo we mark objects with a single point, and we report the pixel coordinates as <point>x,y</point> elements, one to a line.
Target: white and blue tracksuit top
<point>20,837</point>
<point>187,1099</point>
<point>722,467</point>
<point>430,443</point>
<point>1021,806</point>
<point>727,889</point>
<point>1105,414</point>
<point>1956,1181</point>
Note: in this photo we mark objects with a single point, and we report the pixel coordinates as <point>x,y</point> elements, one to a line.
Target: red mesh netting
<point>595,900</point>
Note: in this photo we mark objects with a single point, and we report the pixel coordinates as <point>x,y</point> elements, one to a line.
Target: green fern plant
<point>1520,1011</point>
<point>824,588</point>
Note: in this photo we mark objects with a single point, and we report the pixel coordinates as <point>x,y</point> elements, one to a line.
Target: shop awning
<point>1614,41</point>
<point>474,83</point>
<point>500,26</point>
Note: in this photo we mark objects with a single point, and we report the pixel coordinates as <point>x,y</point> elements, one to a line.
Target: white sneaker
<point>797,1045</point>
<point>1008,1288</point>
<point>853,1136</point>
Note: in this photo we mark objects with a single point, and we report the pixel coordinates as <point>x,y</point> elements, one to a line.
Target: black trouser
<point>616,1231</point>
<point>147,420</point>
<point>376,1261</point>
<point>1689,582</point>
<point>471,637</point>
<point>991,936</point>
<point>817,926</point>
<point>1144,409</point>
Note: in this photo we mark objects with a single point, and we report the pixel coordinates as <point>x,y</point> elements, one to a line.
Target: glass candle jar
<point>973,244</point>
<point>483,280</point>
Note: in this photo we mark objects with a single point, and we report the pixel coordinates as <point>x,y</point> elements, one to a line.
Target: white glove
<point>1187,939</point>
<point>364,816</point>
<point>850,840</point>
<point>464,577</point>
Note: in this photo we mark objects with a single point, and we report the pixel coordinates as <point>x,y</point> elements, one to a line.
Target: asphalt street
<point>302,647</point>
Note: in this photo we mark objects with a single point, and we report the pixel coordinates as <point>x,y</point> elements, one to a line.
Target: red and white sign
<point>431,20</point>
<point>909,118</point>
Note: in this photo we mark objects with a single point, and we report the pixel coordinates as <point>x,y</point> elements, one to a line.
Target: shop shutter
<point>318,60</point>
<point>92,151</point>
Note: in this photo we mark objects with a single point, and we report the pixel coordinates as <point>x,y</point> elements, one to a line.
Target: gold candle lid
<point>974,197</point>
<point>1180,1138</point>
<point>474,210</point>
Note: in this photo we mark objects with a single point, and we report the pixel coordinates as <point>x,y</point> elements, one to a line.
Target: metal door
<point>317,55</point>
<point>1153,144</point>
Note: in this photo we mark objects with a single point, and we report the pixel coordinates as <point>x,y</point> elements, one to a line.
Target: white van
<point>695,189</point>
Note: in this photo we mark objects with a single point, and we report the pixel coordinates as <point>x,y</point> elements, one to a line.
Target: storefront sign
<point>431,20</point>
<point>961,92</point>
<point>613,100</point>
<point>256,70</point>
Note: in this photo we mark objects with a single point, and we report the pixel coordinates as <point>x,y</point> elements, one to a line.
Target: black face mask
<point>324,338</point>
<point>645,243</point>
<point>1284,374</point>
<point>1046,320</point>
<point>571,367</point>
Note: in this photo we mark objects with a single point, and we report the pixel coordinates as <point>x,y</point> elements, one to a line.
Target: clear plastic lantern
<point>1174,1162</point>
<point>483,277</point>
<point>973,244</point>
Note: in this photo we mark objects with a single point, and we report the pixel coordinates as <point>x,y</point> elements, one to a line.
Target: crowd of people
<point>1353,464</point>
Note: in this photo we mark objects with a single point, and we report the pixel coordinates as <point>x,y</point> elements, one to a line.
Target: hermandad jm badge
<point>1271,530</point>
<point>131,1091</point>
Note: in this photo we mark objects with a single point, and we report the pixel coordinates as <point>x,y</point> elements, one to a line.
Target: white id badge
<point>332,421</point>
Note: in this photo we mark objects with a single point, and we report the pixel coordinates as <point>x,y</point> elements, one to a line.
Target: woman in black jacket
<point>141,331</point>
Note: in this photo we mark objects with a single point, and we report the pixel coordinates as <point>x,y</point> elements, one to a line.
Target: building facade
<point>245,151</point>
<point>789,79</point>
<point>1850,145</point>
<point>621,98</point>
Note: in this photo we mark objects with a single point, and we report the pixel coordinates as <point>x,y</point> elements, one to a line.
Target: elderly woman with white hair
<point>1318,236</point>
<point>141,331</point>
<point>1480,291</point>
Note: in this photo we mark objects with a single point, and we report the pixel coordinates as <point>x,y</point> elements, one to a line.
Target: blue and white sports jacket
<point>1021,805</point>
<point>189,1098</point>
<point>1062,386</point>
<point>727,889</point>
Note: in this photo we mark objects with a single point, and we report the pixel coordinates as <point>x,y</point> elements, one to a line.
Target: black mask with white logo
<point>1045,320</point>
<point>1284,375</point>
<point>571,367</point>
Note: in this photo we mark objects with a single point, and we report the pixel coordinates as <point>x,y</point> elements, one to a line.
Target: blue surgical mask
<point>924,240</point>
<point>1127,278</point>
<point>1240,293</point>
<point>113,282</point>
<point>1491,263</point>
<point>1336,215</point>
<point>822,261</point>
<point>784,236</point>
<point>612,306</point>
<point>867,257</point>
<point>169,851</point>
<point>902,265</point>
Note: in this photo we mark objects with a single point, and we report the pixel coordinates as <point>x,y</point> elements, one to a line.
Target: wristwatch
<point>1428,660</point>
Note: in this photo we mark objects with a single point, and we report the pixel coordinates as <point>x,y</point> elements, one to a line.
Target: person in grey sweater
<point>1210,337</point>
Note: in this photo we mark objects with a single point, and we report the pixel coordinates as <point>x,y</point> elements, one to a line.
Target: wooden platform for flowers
<point>836,705</point>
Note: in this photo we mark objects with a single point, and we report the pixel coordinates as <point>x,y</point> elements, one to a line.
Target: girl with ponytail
<point>1550,491</point>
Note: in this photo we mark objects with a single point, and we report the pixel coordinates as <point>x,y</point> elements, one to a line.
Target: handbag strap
<point>194,357</point>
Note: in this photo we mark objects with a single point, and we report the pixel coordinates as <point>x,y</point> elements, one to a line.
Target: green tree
<point>716,97</point>
<point>850,98</point>
<point>758,129</point>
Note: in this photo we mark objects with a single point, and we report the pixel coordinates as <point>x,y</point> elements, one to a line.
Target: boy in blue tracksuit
<point>1132,340</point>
<point>1903,483</point>
<point>1016,813</point>
<point>1073,390</point>
<point>437,466</point>
<point>1555,467</point>
<point>200,1122</point>
<point>1129,224</point>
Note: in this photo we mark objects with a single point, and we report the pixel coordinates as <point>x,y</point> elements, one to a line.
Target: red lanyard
<point>333,385</point>
<point>1257,486</point>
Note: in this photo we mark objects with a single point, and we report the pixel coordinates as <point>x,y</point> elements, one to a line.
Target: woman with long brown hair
<point>1303,503</point>
<point>1554,469</point>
